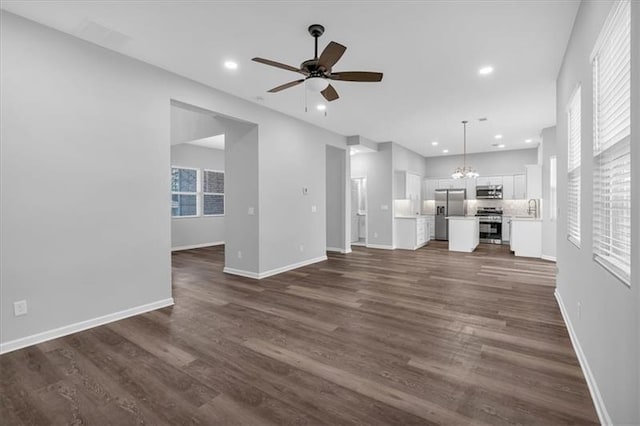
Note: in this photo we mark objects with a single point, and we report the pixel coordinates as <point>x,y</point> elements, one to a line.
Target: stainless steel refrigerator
<point>449,202</point>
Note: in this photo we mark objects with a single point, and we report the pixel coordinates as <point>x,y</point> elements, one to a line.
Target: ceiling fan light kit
<point>464,172</point>
<point>318,71</point>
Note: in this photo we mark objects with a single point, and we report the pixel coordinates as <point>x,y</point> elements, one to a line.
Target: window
<point>212,193</point>
<point>184,192</point>
<point>573,167</point>
<point>612,144</point>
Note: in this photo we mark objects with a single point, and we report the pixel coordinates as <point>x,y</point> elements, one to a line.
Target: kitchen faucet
<point>533,209</point>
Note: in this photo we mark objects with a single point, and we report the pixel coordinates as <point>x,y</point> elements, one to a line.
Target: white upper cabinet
<point>408,186</point>
<point>430,186</point>
<point>519,187</point>
<point>445,184</point>
<point>534,181</point>
<point>508,188</point>
<point>489,180</point>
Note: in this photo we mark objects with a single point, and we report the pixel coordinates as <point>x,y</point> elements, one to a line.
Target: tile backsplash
<point>510,207</point>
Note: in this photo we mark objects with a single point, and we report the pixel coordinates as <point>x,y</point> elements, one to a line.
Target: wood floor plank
<point>373,337</point>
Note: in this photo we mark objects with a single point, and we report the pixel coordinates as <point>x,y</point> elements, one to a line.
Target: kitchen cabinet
<point>445,184</point>
<point>534,181</point>
<point>526,237</point>
<point>430,186</point>
<point>508,188</point>
<point>431,226</point>
<point>407,186</point>
<point>411,232</point>
<point>506,229</point>
<point>464,233</point>
<point>519,187</point>
<point>489,180</point>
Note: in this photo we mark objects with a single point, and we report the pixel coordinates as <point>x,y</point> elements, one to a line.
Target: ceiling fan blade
<point>330,93</point>
<point>331,54</point>
<point>356,76</point>
<point>285,86</point>
<point>278,65</point>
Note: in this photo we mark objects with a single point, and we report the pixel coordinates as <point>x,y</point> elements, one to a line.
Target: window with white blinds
<point>573,167</point>
<point>612,144</point>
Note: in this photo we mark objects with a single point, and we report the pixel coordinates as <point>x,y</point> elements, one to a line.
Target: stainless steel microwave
<point>489,192</point>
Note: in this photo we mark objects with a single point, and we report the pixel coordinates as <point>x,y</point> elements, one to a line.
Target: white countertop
<point>462,217</point>
<point>416,216</point>
<point>526,219</point>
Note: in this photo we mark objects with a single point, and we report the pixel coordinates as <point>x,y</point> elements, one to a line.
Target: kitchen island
<point>464,233</point>
<point>526,236</point>
<point>412,232</point>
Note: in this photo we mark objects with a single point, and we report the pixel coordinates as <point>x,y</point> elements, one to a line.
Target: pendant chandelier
<point>465,171</point>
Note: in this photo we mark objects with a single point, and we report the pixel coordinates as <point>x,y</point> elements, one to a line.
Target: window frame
<point>197,193</point>
<point>574,164</point>
<point>603,253</point>
<point>224,197</point>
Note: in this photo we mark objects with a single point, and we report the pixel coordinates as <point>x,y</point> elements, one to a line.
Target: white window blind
<point>184,192</point>
<point>612,144</point>
<point>213,193</point>
<point>573,167</point>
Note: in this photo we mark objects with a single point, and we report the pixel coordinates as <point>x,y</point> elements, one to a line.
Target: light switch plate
<point>384,207</point>
<point>20,308</point>
<point>314,209</point>
<point>252,211</point>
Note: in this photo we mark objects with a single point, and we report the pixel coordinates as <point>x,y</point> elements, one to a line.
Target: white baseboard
<point>339,250</point>
<point>545,257</point>
<point>195,246</point>
<point>380,246</point>
<point>241,273</point>
<point>601,409</point>
<point>275,271</point>
<point>34,339</point>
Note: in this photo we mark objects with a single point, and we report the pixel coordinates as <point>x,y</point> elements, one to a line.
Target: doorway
<point>359,211</point>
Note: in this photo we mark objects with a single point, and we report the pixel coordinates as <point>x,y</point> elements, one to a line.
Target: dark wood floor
<point>373,337</point>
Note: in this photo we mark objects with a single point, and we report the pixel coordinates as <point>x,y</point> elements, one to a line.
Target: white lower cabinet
<point>526,237</point>
<point>411,232</point>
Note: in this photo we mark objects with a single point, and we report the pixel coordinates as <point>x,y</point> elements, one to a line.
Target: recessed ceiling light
<point>498,136</point>
<point>434,143</point>
<point>445,150</point>
<point>321,107</point>
<point>230,65</point>
<point>485,70</point>
<point>528,141</point>
<point>501,145</point>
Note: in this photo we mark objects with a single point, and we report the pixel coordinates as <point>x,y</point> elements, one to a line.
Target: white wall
<point>377,167</point>
<point>406,160</point>
<point>188,124</point>
<point>102,140</point>
<point>85,181</point>
<point>549,229</point>
<point>486,163</point>
<point>608,327</point>
<point>193,231</point>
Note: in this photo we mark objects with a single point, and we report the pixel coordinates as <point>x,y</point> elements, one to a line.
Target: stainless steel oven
<point>490,192</point>
<point>490,225</point>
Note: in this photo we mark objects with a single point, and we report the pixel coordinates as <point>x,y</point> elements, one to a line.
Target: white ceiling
<point>429,52</point>
<point>214,142</point>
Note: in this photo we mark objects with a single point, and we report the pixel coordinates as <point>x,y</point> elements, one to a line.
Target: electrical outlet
<point>20,308</point>
<point>301,248</point>
<point>314,209</point>
<point>375,235</point>
<point>579,309</point>
<point>239,254</point>
<point>252,211</point>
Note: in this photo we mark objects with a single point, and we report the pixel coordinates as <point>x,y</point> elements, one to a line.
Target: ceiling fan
<point>318,71</point>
